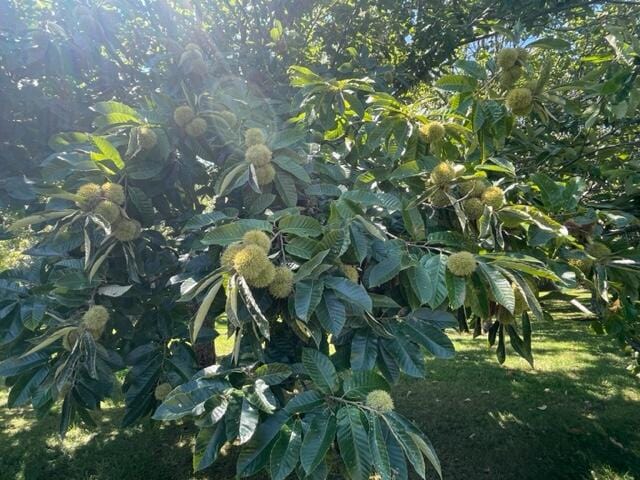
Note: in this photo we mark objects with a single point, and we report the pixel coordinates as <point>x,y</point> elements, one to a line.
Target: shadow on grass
<point>32,450</point>
<point>576,416</point>
<point>576,413</point>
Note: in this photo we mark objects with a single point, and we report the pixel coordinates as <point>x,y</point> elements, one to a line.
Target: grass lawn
<point>576,416</point>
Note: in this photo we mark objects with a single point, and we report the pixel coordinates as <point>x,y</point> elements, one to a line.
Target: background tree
<point>285,169</point>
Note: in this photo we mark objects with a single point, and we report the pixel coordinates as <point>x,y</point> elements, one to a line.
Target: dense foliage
<point>289,170</point>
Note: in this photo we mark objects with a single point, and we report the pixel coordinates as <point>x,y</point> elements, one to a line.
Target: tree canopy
<point>336,183</point>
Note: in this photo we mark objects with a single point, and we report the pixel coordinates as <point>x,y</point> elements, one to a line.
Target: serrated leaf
<point>351,292</point>
<point>307,297</point>
<point>273,373</point>
<point>354,443</point>
<point>407,355</point>
<point>435,269</point>
<point>285,452</point>
<point>431,338</point>
<point>286,187</point>
<point>360,383</point>
<point>308,268</point>
<point>500,286</point>
<point>317,441</point>
<point>456,288</point>
<point>456,83</point>
<point>255,454</point>
<point>379,453</point>
<point>300,225</point>
<point>331,313</point>
<point>385,270</point>
<point>321,370</point>
<point>233,232</point>
<point>294,168</point>
<point>364,349</point>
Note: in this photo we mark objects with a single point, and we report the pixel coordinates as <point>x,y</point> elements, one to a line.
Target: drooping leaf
<point>317,441</point>
<point>353,441</point>
<point>285,452</point>
<point>254,455</point>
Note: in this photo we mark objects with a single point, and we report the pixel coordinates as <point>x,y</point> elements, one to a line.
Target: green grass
<point>576,416</point>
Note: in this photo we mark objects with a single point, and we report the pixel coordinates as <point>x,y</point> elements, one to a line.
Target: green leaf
<point>208,444</point>
<point>431,338</point>
<point>285,452</point>
<point>331,313</point>
<point>260,396</point>
<point>364,349</point>
<point>317,441</point>
<point>248,422</point>
<point>406,170</point>
<point>420,440</point>
<point>289,137</point>
<point>255,454</point>
<point>232,178</point>
<point>351,292</point>
<point>300,225</point>
<point>472,68</point>
<point>233,232</point>
<point>518,344</point>
<point>301,247</point>
<point>397,457</point>
<point>358,241</point>
<point>110,107</point>
<point>15,365</point>
<point>39,218</point>
<point>143,375</point>
<point>323,190</point>
<point>456,288</point>
<point>383,301</point>
<point>286,187</point>
<point>501,354</point>
<point>306,401</point>
<point>406,441</point>
<point>500,286</point>
<point>385,270</point>
<point>49,340</point>
<point>379,452</point>
<point>407,355</point>
<point>114,290</point>
<point>550,43</point>
<point>336,241</point>
<point>201,314</point>
<point>321,370</point>
<point>360,383</point>
<point>435,269</point>
<point>143,204</point>
<point>307,297</point>
<point>106,151</point>
<point>456,83</point>
<point>307,268</point>
<point>26,386</point>
<point>189,398</point>
<point>354,443</point>
<point>294,168</point>
<point>273,373</point>
<point>529,296</point>
<point>414,223</point>
<point>438,318</point>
